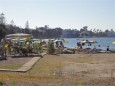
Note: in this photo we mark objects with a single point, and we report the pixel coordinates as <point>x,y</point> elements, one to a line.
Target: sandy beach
<point>66,70</point>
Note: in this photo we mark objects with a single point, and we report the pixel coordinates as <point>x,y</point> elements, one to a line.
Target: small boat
<point>113,42</point>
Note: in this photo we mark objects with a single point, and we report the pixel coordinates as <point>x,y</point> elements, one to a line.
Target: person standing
<point>107,49</point>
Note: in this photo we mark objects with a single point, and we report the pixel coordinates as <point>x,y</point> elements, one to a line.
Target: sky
<point>67,14</point>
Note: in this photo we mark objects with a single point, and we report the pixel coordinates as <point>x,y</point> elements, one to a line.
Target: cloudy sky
<point>99,14</point>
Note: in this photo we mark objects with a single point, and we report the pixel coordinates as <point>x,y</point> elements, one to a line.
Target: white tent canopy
<point>18,35</point>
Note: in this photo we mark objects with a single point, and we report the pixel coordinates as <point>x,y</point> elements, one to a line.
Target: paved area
<point>27,66</point>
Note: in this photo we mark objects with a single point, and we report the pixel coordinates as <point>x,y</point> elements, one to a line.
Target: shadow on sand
<point>28,56</point>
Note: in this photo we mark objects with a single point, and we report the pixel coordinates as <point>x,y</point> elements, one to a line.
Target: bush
<point>51,49</point>
<point>1,83</point>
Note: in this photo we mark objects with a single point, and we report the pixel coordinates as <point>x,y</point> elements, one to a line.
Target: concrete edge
<point>27,67</point>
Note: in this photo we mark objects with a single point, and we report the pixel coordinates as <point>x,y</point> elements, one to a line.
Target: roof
<point>18,35</point>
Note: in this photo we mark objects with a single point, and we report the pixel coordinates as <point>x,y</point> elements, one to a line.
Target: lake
<point>103,42</point>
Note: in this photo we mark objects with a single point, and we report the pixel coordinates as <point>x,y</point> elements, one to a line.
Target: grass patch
<point>12,66</point>
<point>41,74</point>
<point>42,70</point>
<point>47,65</point>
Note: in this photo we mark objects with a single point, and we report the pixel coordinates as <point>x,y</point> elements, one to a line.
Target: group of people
<point>59,44</point>
<point>81,44</point>
<point>54,47</point>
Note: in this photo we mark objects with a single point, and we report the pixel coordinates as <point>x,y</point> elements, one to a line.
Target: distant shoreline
<point>89,37</point>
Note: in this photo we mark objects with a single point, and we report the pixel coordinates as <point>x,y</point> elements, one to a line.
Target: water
<point>103,42</point>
